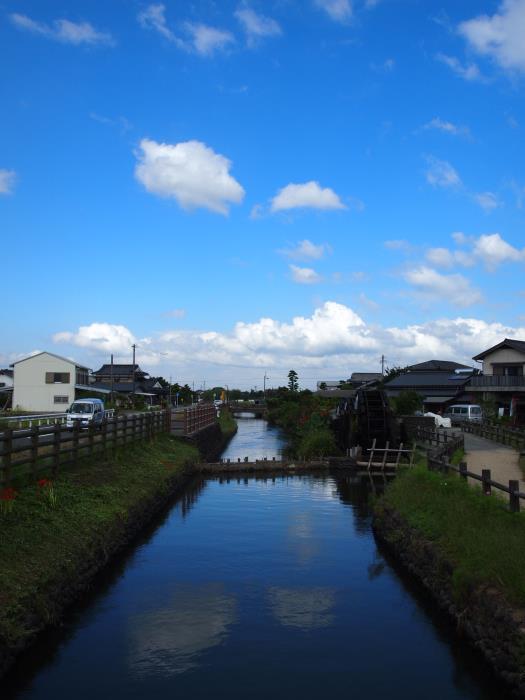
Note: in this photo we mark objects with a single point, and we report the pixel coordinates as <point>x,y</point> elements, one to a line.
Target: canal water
<point>255,588</point>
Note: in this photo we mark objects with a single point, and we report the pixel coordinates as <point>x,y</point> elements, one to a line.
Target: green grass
<point>227,423</point>
<point>41,547</point>
<point>475,533</point>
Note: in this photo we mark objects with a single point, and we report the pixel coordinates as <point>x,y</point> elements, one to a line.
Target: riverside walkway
<point>502,461</point>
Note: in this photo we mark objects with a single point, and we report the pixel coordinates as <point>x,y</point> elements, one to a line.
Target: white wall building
<point>47,383</point>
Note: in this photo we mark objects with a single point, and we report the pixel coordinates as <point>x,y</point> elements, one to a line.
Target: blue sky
<point>241,187</point>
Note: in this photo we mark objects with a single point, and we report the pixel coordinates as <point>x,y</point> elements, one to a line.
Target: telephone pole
<point>382,364</point>
<point>264,379</point>
<point>133,367</point>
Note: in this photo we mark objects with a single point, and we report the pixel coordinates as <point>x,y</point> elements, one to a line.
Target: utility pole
<point>382,364</point>
<point>264,379</point>
<point>133,367</point>
<point>112,398</point>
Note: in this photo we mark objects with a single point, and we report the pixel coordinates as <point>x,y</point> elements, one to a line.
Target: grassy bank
<point>475,533</point>
<point>227,423</point>
<point>56,536</point>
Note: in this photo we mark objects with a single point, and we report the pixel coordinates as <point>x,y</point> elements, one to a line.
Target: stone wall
<point>483,615</point>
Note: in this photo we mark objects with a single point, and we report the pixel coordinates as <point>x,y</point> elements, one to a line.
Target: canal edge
<point>488,621</point>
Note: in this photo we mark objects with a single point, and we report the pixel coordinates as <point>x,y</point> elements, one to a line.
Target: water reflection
<point>304,608</point>
<point>170,640</point>
<point>254,439</point>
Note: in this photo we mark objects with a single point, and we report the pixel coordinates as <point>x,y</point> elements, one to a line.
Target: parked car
<point>461,412</point>
<point>85,412</point>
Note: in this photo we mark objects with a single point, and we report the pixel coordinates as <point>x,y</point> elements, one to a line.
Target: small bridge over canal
<point>259,409</point>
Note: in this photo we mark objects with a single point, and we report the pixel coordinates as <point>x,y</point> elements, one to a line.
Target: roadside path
<point>502,461</point>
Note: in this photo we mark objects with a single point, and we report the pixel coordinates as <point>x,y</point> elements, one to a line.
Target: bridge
<point>259,409</point>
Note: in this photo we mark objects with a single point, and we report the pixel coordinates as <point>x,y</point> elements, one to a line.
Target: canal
<point>255,588</point>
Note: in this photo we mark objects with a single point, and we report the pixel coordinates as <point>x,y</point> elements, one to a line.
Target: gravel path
<point>502,461</point>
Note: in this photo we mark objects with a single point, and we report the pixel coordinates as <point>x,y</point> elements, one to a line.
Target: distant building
<point>438,382</point>
<point>47,383</point>
<point>128,379</point>
<point>6,379</point>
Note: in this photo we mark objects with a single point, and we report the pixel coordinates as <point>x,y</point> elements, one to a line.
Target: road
<point>502,461</point>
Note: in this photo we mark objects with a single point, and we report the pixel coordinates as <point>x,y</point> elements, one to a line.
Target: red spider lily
<point>44,482</point>
<point>7,494</point>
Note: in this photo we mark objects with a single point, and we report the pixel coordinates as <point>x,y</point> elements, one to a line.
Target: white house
<point>47,382</point>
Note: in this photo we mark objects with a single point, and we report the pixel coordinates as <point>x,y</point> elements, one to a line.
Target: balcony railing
<point>497,381</point>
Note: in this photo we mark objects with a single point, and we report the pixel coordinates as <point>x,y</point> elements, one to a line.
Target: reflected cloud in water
<point>303,540</point>
<point>304,608</point>
<point>169,640</point>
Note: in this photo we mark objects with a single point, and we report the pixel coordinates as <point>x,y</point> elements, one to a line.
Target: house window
<point>61,399</point>
<point>57,377</point>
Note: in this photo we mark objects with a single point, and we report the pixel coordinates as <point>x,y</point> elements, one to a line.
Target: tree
<point>293,380</point>
<point>393,372</point>
<point>322,386</point>
<point>407,403</point>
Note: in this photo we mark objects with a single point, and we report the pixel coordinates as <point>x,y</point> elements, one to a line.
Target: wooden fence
<point>185,422</point>
<point>26,453</point>
<point>513,437</point>
<point>438,459</point>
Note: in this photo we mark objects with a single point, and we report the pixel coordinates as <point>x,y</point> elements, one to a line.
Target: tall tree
<point>293,380</point>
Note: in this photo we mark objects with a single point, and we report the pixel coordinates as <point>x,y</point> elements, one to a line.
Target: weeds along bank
<point>467,550</point>
<point>57,535</point>
<point>305,421</point>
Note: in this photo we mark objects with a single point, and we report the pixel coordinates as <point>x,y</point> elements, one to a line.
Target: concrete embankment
<point>482,613</point>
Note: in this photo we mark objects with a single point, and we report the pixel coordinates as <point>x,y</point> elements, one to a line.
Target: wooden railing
<point>438,459</point>
<point>185,422</point>
<point>487,483</point>
<point>26,453</point>
<point>514,437</point>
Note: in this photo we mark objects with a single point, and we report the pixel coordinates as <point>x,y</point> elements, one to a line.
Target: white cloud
<point>433,286</point>
<point>63,30</point>
<point>305,275</point>
<point>256,26</point>
<point>338,10</point>
<point>207,40</point>
<point>106,337</point>
<point>489,249</point>
<point>7,181</point>
<point>306,250</point>
<point>468,71</point>
<point>442,174</point>
<point>202,38</point>
<point>190,172</point>
<point>500,36</point>
<point>442,257</point>
<point>493,250</point>
<point>447,127</point>
<point>153,17</point>
<point>176,313</point>
<point>487,200</point>
<point>308,195</point>
<point>386,67</point>
<point>334,336</point>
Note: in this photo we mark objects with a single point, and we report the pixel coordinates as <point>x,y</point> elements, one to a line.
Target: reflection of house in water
<point>354,491</point>
<point>170,639</point>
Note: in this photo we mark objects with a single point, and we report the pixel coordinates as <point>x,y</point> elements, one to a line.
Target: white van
<point>462,411</point>
<point>85,412</point>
